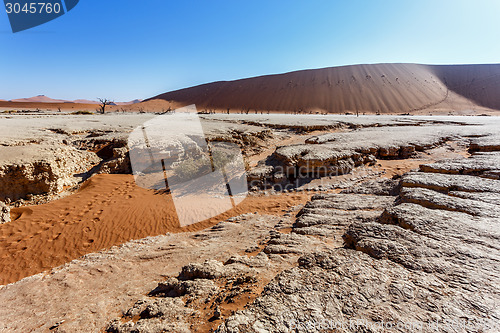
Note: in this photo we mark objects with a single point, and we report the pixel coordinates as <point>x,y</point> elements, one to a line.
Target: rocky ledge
<point>430,262</point>
<point>338,153</point>
<point>372,260</point>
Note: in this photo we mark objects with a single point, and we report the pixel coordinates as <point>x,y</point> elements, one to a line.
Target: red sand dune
<point>43,102</point>
<point>387,88</point>
<point>85,101</point>
<point>39,99</point>
<point>8,105</point>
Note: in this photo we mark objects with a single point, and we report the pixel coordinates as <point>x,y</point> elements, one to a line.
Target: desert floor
<point>407,232</point>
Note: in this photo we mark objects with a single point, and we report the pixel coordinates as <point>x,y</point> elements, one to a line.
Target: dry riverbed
<point>400,225</point>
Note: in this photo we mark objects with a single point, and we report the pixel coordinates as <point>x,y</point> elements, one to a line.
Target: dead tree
<point>103,102</point>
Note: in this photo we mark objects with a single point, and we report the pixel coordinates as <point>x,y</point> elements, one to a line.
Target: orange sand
<point>387,88</point>
<point>108,210</point>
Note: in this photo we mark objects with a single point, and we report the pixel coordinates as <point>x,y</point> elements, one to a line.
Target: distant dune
<point>384,88</point>
<point>44,106</point>
<point>135,101</point>
<point>85,101</point>
<point>45,99</point>
<point>39,99</point>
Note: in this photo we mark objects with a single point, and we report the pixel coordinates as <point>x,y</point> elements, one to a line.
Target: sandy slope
<point>7,105</point>
<point>79,105</point>
<point>384,88</point>
<point>387,88</point>
<point>108,210</point>
<point>45,99</point>
<point>39,99</point>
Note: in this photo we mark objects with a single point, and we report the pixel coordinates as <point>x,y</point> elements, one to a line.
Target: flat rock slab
<point>480,164</point>
<point>331,214</point>
<point>375,187</point>
<point>340,152</point>
<point>489,143</point>
<point>428,261</point>
<point>446,182</point>
<point>492,198</point>
<point>442,225</point>
<point>436,200</point>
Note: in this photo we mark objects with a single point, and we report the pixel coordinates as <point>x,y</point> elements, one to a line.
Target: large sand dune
<point>384,88</point>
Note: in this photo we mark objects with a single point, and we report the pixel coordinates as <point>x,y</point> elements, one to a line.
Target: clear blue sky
<point>126,49</point>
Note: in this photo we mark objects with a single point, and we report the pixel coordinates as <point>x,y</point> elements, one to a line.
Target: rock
<point>429,263</point>
<point>171,306</point>
<point>339,153</point>
<point>369,159</point>
<point>347,202</point>
<point>394,141</point>
<point>375,187</point>
<point>481,164</point>
<point>259,174</point>
<point>217,313</point>
<point>442,224</point>
<point>350,291</point>
<point>492,198</point>
<point>211,269</point>
<point>118,161</point>
<point>43,169</point>
<point>429,256</point>
<point>177,288</point>
<point>436,200</point>
<point>315,160</point>
<point>446,182</point>
<point>260,260</point>
<point>485,144</point>
<point>331,214</point>
<point>4,213</point>
<point>158,315</point>
<point>289,244</point>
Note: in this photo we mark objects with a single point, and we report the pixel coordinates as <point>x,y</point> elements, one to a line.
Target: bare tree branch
<point>103,103</point>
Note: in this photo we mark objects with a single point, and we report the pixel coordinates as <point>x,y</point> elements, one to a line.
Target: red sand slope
<point>387,88</point>
<point>108,210</point>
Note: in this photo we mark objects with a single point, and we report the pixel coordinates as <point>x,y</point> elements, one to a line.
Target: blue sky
<point>126,49</point>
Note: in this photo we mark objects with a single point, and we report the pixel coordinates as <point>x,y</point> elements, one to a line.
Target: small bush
<point>82,112</point>
<point>222,158</point>
<point>192,168</point>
